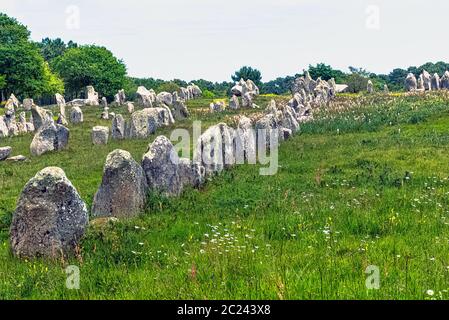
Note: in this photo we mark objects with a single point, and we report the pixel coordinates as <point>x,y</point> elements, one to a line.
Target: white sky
<point>210,39</point>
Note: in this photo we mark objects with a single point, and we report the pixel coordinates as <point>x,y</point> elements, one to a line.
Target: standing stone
<point>76,115</point>
<point>27,104</point>
<point>160,164</point>
<point>60,100</point>
<point>123,190</point>
<point>427,80</point>
<point>105,114</point>
<point>41,117</point>
<point>386,90</point>
<point>118,127</point>
<point>191,173</point>
<point>50,218</point>
<point>165,98</point>
<point>120,98</point>
<point>436,82</point>
<point>144,97</point>
<point>22,124</point>
<point>234,102</point>
<point>4,131</point>
<point>104,102</point>
<point>245,142</point>
<point>92,97</point>
<point>52,137</point>
<point>144,122</point>
<point>5,152</point>
<point>370,87</point>
<point>130,107</point>
<point>444,81</point>
<point>410,83</point>
<point>179,110</point>
<point>218,106</point>
<point>215,148</point>
<point>100,135</point>
<point>421,83</point>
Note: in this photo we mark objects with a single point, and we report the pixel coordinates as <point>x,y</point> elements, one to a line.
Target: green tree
<point>169,86</point>
<point>326,72</point>
<point>90,65</point>
<point>53,48</point>
<point>21,63</point>
<point>356,83</point>
<point>246,73</point>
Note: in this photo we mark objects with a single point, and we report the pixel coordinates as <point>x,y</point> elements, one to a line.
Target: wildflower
<point>430,292</point>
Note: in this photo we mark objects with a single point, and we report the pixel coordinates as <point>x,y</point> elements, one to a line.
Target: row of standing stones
<point>51,218</point>
<point>427,82</point>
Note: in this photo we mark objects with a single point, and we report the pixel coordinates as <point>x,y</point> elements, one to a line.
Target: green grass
<point>375,193</point>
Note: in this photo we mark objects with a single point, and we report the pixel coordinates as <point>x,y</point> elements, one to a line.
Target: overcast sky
<point>210,39</point>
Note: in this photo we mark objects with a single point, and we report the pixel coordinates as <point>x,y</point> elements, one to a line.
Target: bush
<point>168,87</point>
<point>208,94</point>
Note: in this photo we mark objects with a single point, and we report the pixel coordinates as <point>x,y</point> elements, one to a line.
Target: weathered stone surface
<point>60,101</point>
<point>145,122</point>
<point>435,82</point>
<point>144,97</point>
<point>288,119</point>
<point>245,142</point>
<point>124,187</point>
<point>76,115</point>
<point>444,81</point>
<point>4,131</point>
<point>100,135</point>
<point>50,218</point>
<point>27,104</point>
<point>91,97</point>
<point>18,158</point>
<point>118,127</point>
<point>41,117</point>
<point>120,98</point>
<point>160,164</point>
<point>386,90</point>
<point>217,106</point>
<point>191,173</point>
<point>165,98</point>
<point>411,83</point>
<point>179,110</point>
<point>195,91</point>
<point>104,103</point>
<point>215,148</point>
<point>5,152</point>
<point>267,129</point>
<point>52,137</point>
<point>370,87</point>
<point>271,108</point>
<point>234,103</point>
<point>427,80</point>
<point>130,107</point>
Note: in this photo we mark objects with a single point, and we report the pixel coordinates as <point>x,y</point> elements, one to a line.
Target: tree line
<point>40,69</point>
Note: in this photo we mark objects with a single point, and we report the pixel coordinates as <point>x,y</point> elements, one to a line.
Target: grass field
<point>367,185</point>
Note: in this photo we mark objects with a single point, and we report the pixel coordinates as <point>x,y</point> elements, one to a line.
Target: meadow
<point>364,184</point>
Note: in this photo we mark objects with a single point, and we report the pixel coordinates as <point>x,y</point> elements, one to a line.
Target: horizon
<point>188,42</point>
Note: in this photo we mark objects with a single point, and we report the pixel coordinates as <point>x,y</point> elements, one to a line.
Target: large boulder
<point>145,122</point>
<point>50,218</point>
<point>100,135</point>
<point>52,137</point>
<point>60,100</point>
<point>234,103</point>
<point>165,98</point>
<point>217,106</point>
<point>28,104</point>
<point>191,173</point>
<point>436,82</point>
<point>76,115</point>
<point>444,81</point>
<point>370,87</point>
<point>411,83</point>
<point>4,131</point>
<point>427,80</point>
<point>215,148</point>
<point>130,107</point>
<point>41,117</point>
<point>91,97</point>
<point>123,190</point>
<point>179,110</point>
<point>144,97</point>
<point>5,152</point>
<point>118,127</point>
<point>160,164</point>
